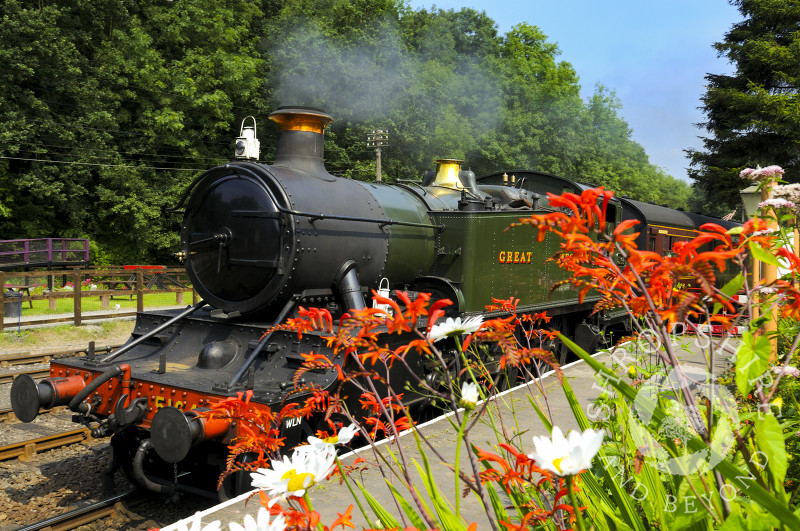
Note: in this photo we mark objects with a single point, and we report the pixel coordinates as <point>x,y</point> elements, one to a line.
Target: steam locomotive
<point>262,240</point>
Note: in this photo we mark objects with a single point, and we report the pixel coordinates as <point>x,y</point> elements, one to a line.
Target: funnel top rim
<point>301,110</point>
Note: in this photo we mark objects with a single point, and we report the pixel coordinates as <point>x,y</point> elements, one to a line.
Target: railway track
<point>25,450</point>
<point>33,373</point>
<point>15,359</point>
<point>86,514</point>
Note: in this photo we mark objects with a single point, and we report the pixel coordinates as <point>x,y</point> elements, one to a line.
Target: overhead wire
<point>50,161</point>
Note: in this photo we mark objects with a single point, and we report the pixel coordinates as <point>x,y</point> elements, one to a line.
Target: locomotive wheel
<point>238,482</point>
<point>123,449</point>
<point>556,346</point>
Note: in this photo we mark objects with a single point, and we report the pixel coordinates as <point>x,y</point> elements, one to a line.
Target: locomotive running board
<point>127,346</point>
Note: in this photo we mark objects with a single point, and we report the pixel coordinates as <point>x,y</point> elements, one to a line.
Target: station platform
<point>519,417</point>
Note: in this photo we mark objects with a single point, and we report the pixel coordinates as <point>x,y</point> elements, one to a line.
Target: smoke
<point>377,80</point>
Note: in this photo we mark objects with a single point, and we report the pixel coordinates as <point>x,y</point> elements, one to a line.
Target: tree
<point>753,114</point>
<point>108,109</point>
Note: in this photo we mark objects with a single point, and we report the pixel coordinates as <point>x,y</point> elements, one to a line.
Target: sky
<point>654,54</point>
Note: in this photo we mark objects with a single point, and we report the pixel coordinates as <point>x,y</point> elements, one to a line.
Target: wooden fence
<point>104,284</point>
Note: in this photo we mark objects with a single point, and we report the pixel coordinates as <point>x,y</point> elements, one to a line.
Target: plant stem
<point>458,457</point>
<point>350,488</point>
<point>311,509</point>
<point>574,501</point>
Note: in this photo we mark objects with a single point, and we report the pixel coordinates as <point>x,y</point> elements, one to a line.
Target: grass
<point>103,333</point>
<point>91,303</point>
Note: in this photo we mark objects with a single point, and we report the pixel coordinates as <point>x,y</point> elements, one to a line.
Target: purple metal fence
<point>43,252</point>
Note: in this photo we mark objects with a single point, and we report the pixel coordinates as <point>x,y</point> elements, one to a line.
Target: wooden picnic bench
<point>21,288</point>
<point>129,284</point>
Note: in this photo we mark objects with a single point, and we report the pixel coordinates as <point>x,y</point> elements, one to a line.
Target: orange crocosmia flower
<point>403,423</point>
<point>368,401</point>
<point>375,354</point>
<point>398,323</point>
<point>509,305</point>
<point>420,345</point>
<point>435,312</point>
<point>316,360</point>
<point>380,299</point>
<point>793,260</point>
<point>344,519</point>
<point>416,308</point>
<point>320,317</point>
<point>791,299</point>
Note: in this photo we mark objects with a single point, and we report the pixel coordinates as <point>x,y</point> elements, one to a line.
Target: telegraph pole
<point>378,138</point>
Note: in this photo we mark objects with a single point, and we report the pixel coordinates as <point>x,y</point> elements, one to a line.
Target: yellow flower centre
<point>331,440</point>
<point>297,481</point>
<point>557,464</point>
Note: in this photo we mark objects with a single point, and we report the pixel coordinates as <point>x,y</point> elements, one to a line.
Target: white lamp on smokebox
<point>247,145</point>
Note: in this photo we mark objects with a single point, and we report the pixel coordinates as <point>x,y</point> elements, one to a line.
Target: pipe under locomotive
<point>261,240</point>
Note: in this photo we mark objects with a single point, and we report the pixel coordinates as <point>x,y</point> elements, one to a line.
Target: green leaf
<point>415,518</point>
<point>382,514</point>
<point>590,484</point>
<point>447,517</point>
<point>730,289</point>
<point>542,415</point>
<point>740,480</point>
<point>762,255</point>
<point>752,359</point>
<point>769,435</point>
<point>734,522</point>
<point>500,513</point>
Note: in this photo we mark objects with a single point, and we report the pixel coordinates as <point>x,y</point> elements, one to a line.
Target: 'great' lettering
<point>515,257</point>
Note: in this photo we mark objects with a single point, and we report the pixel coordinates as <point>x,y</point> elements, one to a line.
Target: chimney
<point>301,138</point>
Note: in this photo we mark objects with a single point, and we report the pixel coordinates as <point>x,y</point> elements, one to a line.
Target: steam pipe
<point>126,347</point>
<point>346,282</point>
<point>141,477</point>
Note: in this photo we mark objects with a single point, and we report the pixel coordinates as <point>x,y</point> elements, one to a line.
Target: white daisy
<point>567,456</point>
<point>292,476</point>
<point>469,395</point>
<point>344,436</point>
<point>197,525</point>
<point>455,327</point>
<point>261,523</point>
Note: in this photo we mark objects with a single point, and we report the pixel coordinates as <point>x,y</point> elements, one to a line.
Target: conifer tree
<point>753,113</point>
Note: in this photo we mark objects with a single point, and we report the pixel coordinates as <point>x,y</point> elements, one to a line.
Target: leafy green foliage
<point>751,361</point>
<point>110,109</point>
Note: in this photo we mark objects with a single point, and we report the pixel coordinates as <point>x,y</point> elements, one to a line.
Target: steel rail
<point>27,449</point>
<point>33,373</point>
<point>82,515</point>
<point>27,357</point>
<point>4,412</point>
